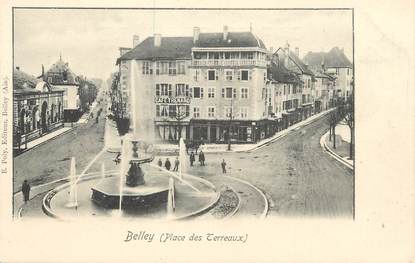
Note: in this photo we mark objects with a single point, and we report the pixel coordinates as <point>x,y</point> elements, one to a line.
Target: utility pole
<point>229,126</point>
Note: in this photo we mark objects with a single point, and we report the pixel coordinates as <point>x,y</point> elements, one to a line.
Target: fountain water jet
<point>73,199</point>
<point>182,158</point>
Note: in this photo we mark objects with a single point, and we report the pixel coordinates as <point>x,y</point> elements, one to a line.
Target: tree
<point>349,118</point>
<point>180,115</point>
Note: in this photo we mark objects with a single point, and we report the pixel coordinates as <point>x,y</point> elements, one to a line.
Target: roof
<point>57,72</point>
<point>335,58</point>
<point>170,48</point>
<point>300,64</point>
<point>181,47</point>
<point>319,74</point>
<point>24,83</point>
<point>277,72</point>
<point>234,39</point>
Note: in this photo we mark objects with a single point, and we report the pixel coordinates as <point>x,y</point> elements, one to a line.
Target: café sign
<point>171,100</point>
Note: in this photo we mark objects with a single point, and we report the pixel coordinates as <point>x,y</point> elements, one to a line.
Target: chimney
<point>157,40</point>
<point>287,54</point>
<point>225,32</point>
<point>43,73</point>
<point>196,33</point>
<point>136,40</point>
<point>297,52</point>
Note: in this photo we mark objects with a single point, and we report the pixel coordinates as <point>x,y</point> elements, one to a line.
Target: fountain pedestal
<point>137,192</point>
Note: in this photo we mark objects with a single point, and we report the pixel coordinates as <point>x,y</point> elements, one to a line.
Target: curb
<point>287,131</point>
<point>265,212</point>
<point>231,214</point>
<point>332,153</point>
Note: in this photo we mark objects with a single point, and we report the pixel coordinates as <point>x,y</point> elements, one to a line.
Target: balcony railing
<point>228,62</point>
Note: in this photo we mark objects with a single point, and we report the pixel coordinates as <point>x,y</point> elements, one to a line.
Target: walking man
<point>160,163</point>
<point>192,158</point>
<point>223,164</point>
<point>176,165</point>
<point>167,164</point>
<point>202,158</point>
<point>26,191</point>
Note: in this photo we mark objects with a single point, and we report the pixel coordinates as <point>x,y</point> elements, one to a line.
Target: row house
<point>61,76</point>
<point>324,92</point>
<point>37,108</point>
<point>336,64</point>
<point>293,63</point>
<point>205,88</point>
<point>284,95</point>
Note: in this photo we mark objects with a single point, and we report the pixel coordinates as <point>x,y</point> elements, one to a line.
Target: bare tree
<point>333,120</point>
<point>349,118</point>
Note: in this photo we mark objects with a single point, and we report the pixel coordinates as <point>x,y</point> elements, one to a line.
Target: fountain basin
<point>107,193</point>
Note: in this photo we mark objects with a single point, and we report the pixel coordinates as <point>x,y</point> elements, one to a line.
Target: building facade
<point>37,108</point>
<point>293,63</point>
<point>61,76</point>
<point>336,64</point>
<point>209,87</point>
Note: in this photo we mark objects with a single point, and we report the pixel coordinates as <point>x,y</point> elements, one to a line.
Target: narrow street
<point>297,176</point>
<point>51,160</point>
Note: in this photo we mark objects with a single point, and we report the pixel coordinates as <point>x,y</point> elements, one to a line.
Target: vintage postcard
<point>187,129</point>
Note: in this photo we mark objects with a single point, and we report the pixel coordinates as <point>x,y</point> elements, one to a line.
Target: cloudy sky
<point>89,39</point>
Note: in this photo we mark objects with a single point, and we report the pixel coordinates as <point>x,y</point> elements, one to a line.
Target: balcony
<point>228,62</point>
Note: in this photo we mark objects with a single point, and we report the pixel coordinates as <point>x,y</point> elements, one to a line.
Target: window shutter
<point>191,92</point>
<point>157,89</point>
<point>238,74</point>
<point>207,75</point>
<point>234,92</point>
<point>169,91</point>
<point>223,92</point>
<point>201,93</point>
<point>250,74</point>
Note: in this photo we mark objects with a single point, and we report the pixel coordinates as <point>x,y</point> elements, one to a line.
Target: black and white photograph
<point>203,117</point>
<point>162,129</point>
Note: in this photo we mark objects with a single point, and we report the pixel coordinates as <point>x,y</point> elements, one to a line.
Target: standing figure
<point>160,163</point>
<point>26,191</point>
<point>202,158</point>
<point>192,158</point>
<point>223,164</point>
<point>167,164</point>
<point>176,164</point>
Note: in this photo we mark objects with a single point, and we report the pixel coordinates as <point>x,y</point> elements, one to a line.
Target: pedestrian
<point>167,164</point>
<point>26,191</point>
<point>176,164</point>
<point>202,158</point>
<point>223,164</point>
<point>192,158</point>
<point>160,162</point>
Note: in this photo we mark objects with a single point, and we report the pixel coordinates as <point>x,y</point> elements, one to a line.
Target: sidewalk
<point>46,138</point>
<point>341,153</point>
<point>85,117</point>
<point>113,140</point>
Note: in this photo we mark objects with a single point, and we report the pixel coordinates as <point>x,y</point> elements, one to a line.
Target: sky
<point>89,39</point>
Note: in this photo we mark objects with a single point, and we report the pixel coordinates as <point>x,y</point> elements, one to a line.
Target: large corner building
<point>198,87</point>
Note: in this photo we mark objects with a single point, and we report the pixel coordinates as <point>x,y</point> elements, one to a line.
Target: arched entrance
<point>34,118</point>
<point>22,121</point>
<point>44,117</point>
<point>52,113</point>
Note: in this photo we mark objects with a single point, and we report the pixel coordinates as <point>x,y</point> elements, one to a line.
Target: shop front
<point>238,131</point>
